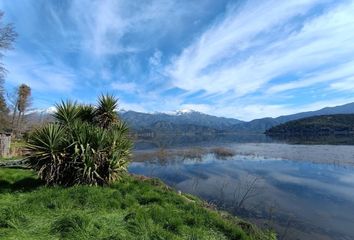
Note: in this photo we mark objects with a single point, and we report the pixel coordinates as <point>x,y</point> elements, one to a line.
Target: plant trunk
<point>14,117</point>
<point>18,122</point>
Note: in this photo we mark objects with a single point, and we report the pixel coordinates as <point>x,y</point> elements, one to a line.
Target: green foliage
<point>87,145</point>
<point>105,113</point>
<point>336,124</point>
<point>87,113</point>
<point>128,209</point>
<point>67,112</point>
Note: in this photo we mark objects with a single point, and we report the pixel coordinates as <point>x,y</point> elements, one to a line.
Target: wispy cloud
<point>344,85</point>
<point>244,59</point>
<point>330,74</point>
<point>37,73</point>
<point>101,26</point>
<point>115,27</point>
<point>124,86</point>
<point>261,41</point>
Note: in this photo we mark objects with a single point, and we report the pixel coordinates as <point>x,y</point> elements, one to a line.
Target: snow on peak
<point>48,110</point>
<point>51,110</point>
<point>184,111</point>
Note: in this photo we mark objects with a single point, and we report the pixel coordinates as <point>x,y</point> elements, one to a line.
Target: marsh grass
<point>222,153</point>
<point>133,208</point>
<point>196,153</point>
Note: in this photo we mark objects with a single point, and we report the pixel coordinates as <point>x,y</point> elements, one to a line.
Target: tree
<point>7,37</point>
<point>23,101</point>
<point>86,145</point>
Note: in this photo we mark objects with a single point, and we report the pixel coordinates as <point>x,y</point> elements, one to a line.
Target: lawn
<point>132,208</point>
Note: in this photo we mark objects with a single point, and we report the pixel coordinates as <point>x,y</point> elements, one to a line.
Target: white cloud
<point>249,48</point>
<point>204,108</point>
<point>35,71</point>
<point>129,87</point>
<point>131,106</point>
<point>344,85</point>
<point>103,26</point>
<point>239,61</point>
<point>155,59</point>
<point>336,73</point>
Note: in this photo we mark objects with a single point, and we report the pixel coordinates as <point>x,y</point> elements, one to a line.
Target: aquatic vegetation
<point>222,153</point>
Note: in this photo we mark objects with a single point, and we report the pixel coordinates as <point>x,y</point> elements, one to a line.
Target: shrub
<point>86,145</point>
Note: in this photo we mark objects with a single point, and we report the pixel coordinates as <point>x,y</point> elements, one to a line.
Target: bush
<point>86,145</point>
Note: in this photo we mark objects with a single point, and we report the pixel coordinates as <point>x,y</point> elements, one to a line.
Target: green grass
<point>133,208</point>
<point>9,158</point>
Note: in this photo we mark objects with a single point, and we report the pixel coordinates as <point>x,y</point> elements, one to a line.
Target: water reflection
<point>315,139</point>
<point>175,141</point>
<point>302,200</point>
<point>207,140</point>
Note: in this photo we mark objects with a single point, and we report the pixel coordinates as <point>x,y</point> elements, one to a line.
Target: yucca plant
<point>105,113</point>
<point>86,145</point>
<point>67,112</point>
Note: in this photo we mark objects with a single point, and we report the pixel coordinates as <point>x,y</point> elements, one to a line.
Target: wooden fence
<point>5,142</point>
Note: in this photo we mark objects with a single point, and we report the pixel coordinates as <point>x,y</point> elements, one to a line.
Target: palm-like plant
<point>86,145</point>
<point>87,113</point>
<point>106,111</point>
<point>67,112</point>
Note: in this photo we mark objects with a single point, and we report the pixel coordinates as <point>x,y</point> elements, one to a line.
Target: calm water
<point>304,192</point>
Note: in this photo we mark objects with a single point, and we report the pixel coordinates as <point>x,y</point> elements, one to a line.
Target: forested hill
<point>338,124</point>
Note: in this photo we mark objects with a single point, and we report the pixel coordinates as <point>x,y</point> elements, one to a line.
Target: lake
<point>302,191</point>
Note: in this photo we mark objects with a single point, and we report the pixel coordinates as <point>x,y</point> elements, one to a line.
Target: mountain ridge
<point>140,121</point>
<point>263,124</point>
<point>316,125</point>
<point>187,121</point>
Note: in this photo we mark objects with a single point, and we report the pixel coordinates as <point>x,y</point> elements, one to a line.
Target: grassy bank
<point>134,208</point>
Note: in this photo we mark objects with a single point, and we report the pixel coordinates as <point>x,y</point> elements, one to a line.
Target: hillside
<point>263,124</point>
<point>138,120</point>
<point>134,208</point>
<point>338,124</point>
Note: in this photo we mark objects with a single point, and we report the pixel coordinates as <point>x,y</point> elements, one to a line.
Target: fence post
<point>5,142</point>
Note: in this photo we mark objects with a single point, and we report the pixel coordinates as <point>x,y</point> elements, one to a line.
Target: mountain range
<point>185,121</point>
<point>191,122</point>
<point>138,120</point>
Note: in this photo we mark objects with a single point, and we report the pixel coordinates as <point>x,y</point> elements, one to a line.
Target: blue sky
<point>242,59</point>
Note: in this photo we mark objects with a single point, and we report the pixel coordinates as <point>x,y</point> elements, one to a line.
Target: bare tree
<point>7,37</point>
<point>12,104</point>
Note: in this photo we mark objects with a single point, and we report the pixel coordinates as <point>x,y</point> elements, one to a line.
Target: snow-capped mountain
<point>183,111</point>
<point>138,120</point>
<point>187,120</point>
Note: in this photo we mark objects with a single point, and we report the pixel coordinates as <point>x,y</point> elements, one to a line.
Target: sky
<point>233,58</point>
